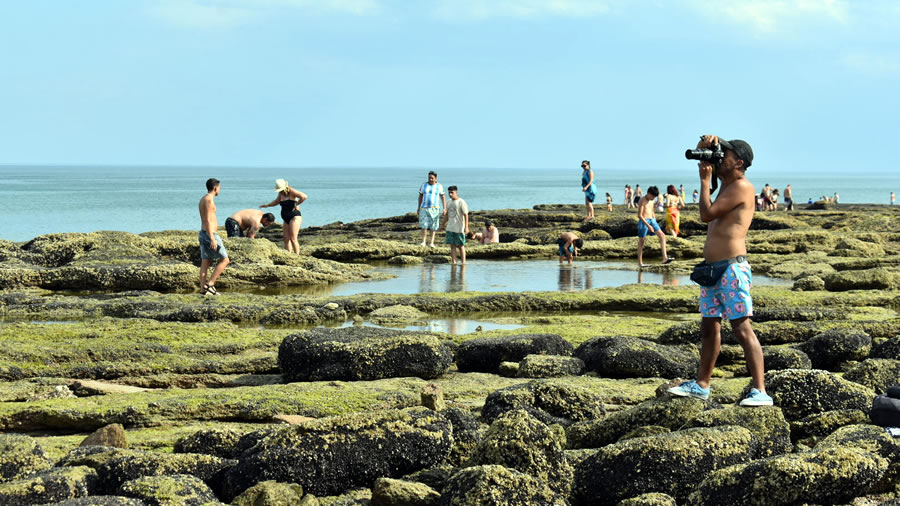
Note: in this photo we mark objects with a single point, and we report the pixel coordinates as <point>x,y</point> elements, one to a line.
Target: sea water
<point>37,200</point>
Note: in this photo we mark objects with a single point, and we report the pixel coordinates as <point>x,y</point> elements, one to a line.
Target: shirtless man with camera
<point>729,218</point>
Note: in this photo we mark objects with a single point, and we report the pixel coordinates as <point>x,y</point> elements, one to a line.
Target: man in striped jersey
<point>432,204</point>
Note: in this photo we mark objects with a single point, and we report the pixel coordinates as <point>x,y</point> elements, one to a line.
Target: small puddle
<point>454,326</point>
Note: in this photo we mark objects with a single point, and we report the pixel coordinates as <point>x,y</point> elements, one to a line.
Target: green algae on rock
<point>766,423</point>
<point>549,366</point>
<point>800,393</point>
<point>550,401</point>
<point>484,354</point>
<point>20,456</point>
<point>54,485</point>
<point>628,357</point>
<point>875,373</point>
<point>494,485</point>
<point>167,490</point>
<point>390,492</point>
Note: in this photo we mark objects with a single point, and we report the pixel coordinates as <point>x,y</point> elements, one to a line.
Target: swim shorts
<point>233,228</point>
<point>642,229</point>
<point>430,218</point>
<point>562,251</point>
<point>730,297</point>
<point>206,253</point>
<point>455,239</point>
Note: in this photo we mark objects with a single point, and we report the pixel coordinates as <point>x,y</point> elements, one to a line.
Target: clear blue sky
<point>811,84</point>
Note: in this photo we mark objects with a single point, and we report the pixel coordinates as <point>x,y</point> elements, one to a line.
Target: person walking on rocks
<point>431,202</point>
<point>211,245</point>
<point>788,198</point>
<point>246,223</point>
<point>589,188</point>
<point>647,225</point>
<point>456,222</point>
<point>725,291</point>
<point>289,199</point>
<point>569,244</point>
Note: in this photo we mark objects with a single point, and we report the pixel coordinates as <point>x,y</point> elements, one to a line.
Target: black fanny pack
<point>708,274</point>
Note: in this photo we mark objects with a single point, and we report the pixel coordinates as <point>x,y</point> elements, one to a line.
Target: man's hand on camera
<point>706,170</point>
<point>707,142</point>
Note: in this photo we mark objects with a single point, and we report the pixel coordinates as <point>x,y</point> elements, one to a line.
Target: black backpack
<point>886,408</point>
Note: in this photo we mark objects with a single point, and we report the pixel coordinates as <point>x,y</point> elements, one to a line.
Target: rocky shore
<point>120,386</point>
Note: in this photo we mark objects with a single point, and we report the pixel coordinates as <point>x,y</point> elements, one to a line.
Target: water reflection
<point>572,279</point>
<point>668,279</point>
<point>457,281</point>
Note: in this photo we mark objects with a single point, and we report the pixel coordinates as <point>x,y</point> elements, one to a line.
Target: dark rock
<point>435,477</point>
<point>630,357</point>
<point>550,401</point>
<point>216,442</point>
<point>776,358</point>
<point>875,373</point>
<point>485,354</point>
<point>467,432</point>
<point>494,485</point>
<point>672,464</point>
<point>817,426</point>
<point>766,423</point>
<point>800,393</point>
<point>51,486</point>
<point>362,353</point>
<point>92,456</point>
<point>182,489</point>
<point>21,456</point>
<point>112,435</point>
<point>549,366</point>
<point>833,476</point>
<point>644,431</point>
<point>517,440</point>
<point>118,470</point>
<point>666,411</point>
<point>889,348</point>
<point>829,349</point>
<point>333,455</point>
<point>249,440</point>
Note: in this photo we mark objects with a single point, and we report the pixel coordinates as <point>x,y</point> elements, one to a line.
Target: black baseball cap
<point>740,148</point>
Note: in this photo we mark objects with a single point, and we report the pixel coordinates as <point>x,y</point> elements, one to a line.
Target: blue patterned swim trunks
<point>730,296</point>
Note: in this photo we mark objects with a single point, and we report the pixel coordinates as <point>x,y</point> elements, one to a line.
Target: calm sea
<point>36,200</point>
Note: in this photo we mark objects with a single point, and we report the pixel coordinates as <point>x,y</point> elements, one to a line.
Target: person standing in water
<point>589,188</point>
<point>289,199</point>
<point>431,201</point>
<point>456,221</point>
<point>647,225</point>
<point>211,246</point>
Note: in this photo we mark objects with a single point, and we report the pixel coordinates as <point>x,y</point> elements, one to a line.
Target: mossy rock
<point>101,500</point>
<point>550,401</point>
<point>645,431</point>
<point>768,333</point>
<point>809,283</point>
<point>875,373</point>
<point>672,464</point>
<point>93,456</point>
<point>665,411</point>
<point>833,476</point>
<point>867,279</point>
<point>215,442</point>
<point>398,314</point>
<point>517,440</point>
<point>548,366</point>
<point>631,357</point>
<point>169,490</point>
<point>776,358</point>
<point>392,492</point>
<point>50,486</point>
<point>354,354</point>
<point>405,260</point>
<point>766,423</point>
<point>651,499</point>
<point>358,497</point>
<point>467,433</point>
<point>494,485</point>
<point>796,314</point>
<point>889,348</point>
<point>333,455</point>
<point>817,426</point>
<point>272,493</point>
<point>850,247</point>
<point>116,471</point>
<point>873,439</point>
<point>831,348</point>
<point>484,354</point>
<point>20,456</point>
<point>800,393</point>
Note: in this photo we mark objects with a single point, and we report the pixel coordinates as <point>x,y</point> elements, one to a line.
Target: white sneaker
<point>431,245</point>
<point>423,243</point>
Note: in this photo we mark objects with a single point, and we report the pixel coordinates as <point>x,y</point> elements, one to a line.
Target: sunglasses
<point>583,166</point>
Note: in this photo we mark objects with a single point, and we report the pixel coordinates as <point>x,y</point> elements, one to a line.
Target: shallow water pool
<point>453,326</point>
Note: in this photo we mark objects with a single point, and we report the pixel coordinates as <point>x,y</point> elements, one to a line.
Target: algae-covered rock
<point>494,485</point>
<point>833,347</point>
<point>216,442</point>
<point>666,411</point>
<point>517,440</point>
<point>364,353</point>
<point>51,486</point>
<point>850,247</point>
<point>550,401</point>
<point>169,490</point>
<point>889,348</point>
<point>391,492</point>
<point>833,476</point>
<point>776,358</point>
<point>92,456</point>
<point>873,439</point>
<point>766,423</point>
<point>817,426</point>
<point>875,373</point>
<point>405,260</point>
<point>270,493</point>
<point>118,470</point>
<point>485,354</point>
<point>467,432</point>
<point>20,456</point>
<point>800,393</point>
<point>644,431</point>
<point>672,464</point>
<point>866,279</point>
<point>768,333</point>
<point>359,497</point>
<point>809,283</point>
<point>651,499</point>
<point>549,366</point>
<point>397,315</point>
<point>101,500</point>
<point>330,456</point>
<point>630,357</point>
<point>796,314</point>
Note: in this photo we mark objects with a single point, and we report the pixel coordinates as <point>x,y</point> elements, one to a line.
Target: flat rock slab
<point>93,387</point>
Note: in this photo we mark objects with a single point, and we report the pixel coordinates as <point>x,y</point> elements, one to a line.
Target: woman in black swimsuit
<point>289,199</point>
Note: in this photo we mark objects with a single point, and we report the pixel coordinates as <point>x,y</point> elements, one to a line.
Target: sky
<point>629,84</point>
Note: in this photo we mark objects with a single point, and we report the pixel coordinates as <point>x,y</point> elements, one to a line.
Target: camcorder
<point>714,156</point>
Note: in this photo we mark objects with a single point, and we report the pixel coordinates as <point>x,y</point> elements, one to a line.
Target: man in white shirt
<point>431,201</point>
<point>456,221</point>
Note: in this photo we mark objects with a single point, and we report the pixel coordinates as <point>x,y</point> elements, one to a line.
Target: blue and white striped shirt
<point>431,194</point>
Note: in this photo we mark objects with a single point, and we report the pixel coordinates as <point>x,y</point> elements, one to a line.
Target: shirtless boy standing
<point>647,225</point>
<point>211,247</point>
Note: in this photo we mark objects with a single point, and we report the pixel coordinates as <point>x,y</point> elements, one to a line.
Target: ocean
<point>37,200</point>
